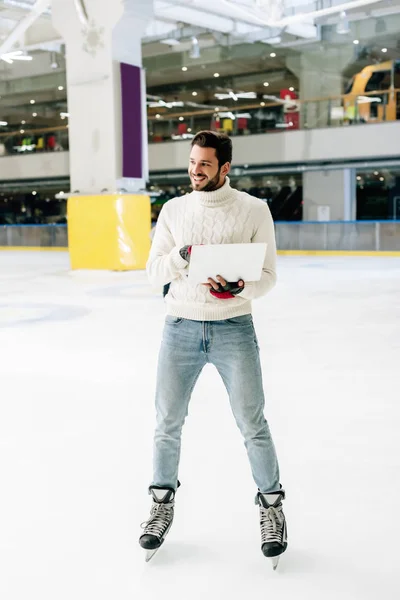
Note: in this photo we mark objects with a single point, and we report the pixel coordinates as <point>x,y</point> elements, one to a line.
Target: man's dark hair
<point>221,142</point>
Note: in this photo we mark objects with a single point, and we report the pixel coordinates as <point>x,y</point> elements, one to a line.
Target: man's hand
<point>222,289</point>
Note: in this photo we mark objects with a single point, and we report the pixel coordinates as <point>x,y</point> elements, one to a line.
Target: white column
<point>320,75</point>
<point>329,195</point>
<point>108,143</point>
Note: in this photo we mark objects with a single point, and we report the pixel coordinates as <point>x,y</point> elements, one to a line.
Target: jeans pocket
<point>242,320</point>
<point>171,320</point>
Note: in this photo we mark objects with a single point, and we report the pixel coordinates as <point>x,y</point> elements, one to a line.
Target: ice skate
<point>160,521</point>
<point>273,525</point>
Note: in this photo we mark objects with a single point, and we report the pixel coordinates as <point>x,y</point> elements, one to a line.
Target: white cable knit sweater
<point>224,216</point>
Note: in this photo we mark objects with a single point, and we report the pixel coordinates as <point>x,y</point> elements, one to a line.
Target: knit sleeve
<point>265,232</point>
<point>164,263</point>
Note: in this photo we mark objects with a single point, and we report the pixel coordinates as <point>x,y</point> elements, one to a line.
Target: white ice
<point>78,358</point>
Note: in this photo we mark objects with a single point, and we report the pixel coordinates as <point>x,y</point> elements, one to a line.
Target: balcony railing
<point>180,123</point>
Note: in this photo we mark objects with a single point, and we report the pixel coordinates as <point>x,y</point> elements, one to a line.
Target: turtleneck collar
<point>219,197</point>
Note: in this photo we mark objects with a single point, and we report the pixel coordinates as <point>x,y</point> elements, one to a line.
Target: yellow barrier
<point>109,232</point>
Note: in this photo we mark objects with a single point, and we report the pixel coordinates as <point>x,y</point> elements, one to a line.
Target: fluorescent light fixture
<point>3,123</point>
<point>170,42</point>
<point>356,42</point>
<point>233,96</point>
<point>368,99</point>
<point>272,41</point>
<point>64,115</point>
<point>227,115</point>
<point>248,95</point>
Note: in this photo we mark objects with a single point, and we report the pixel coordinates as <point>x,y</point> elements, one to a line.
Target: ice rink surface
<point>78,358</point>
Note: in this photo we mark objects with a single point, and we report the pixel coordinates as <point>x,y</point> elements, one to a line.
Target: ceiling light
<point>184,68</point>
<point>64,115</point>
<point>358,177</point>
<point>34,193</point>
<point>356,42</point>
<point>291,89</point>
<point>181,118</point>
<point>23,122</point>
<point>22,130</point>
<point>189,129</point>
<point>33,101</point>
<point>60,87</point>
<point>273,54</point>
<point>216,74</point>
<point>381,179</point>
<point>384,50</point>
<point>194,93</point>
<point>3,123</point>
<point>158,116</point>
<point>376,172</point>
<point>34,114</point>
<point>266,84</point>
<point>262,103</point>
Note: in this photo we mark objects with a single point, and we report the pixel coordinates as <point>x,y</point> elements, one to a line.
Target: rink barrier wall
<point>279,252</point>
<point>301,238</point>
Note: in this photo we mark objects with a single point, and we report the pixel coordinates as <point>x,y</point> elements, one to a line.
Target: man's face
<point>204,171</point>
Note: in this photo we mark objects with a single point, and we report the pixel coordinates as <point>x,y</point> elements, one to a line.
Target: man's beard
<point>210,185</point>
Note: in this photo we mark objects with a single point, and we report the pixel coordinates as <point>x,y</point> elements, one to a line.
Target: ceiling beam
<point>37,9</point>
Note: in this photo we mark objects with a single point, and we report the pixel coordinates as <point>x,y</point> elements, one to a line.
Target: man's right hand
<point>185,252</point>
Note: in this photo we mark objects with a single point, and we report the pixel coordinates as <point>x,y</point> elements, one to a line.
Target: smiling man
<point>211,323</point>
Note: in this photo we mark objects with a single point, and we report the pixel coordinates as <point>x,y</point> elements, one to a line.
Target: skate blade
<point>275,562</point>
<point>150,554</point>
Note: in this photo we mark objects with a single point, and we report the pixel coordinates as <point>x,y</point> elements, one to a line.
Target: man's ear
<point>225,169</point>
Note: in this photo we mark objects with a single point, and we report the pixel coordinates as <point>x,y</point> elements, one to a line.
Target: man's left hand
<point>224,289</point>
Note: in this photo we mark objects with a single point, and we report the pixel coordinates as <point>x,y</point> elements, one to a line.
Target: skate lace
<point>160,518</point>
<point>271,520</point>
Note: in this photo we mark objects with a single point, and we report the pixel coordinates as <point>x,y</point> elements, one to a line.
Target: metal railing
<point>274,115</point>
<point>383,236</point>
<point>292,235</point>
<point>36,236</point>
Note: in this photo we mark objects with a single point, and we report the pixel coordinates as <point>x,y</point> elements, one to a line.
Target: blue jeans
<point>231,346</point>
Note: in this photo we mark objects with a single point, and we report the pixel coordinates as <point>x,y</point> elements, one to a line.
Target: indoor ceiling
<point>247,42</point>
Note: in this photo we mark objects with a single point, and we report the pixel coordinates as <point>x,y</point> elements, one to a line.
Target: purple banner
<point>131,96</point>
